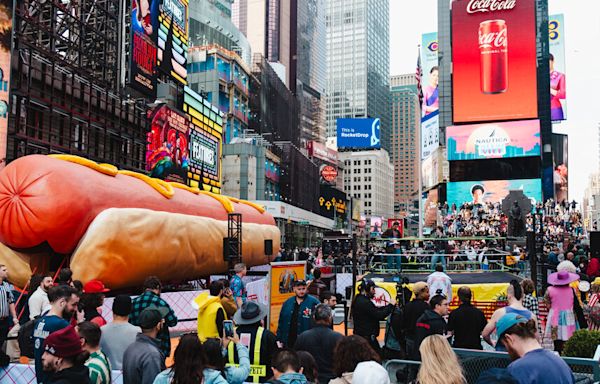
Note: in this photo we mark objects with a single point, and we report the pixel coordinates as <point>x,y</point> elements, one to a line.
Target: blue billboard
<point>358,133</point>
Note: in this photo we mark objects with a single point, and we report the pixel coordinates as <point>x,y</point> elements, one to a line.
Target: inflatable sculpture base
<point>118,226</point>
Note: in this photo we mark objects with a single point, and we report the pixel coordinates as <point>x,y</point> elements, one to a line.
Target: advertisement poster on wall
<point>431,169</point>
<point>491,191</point>
<point>167,155</point>
<point>493,140</point>
<point>558,78</point>
<point>494,60</point>
<point>6,22</point>
<point>560,152</point>
<point>430,134</point>
<point>358,133</point>
<point>144,32</point>
<point>429,63</point>
<point>283,276</point>
<point>173,39</point>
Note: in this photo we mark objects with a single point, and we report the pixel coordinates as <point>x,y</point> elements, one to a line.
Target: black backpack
<point>25,338</point>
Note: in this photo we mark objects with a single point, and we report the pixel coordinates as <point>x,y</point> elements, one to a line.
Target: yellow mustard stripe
<point>193,190</point>
<point>259,208</point>
<point>224,200</point>
<point>106,169</point>
<point>161,186</point>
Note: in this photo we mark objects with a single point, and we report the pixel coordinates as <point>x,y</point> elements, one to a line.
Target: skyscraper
<point>292,34</point>
<point>358,64</point>
<point>404,143</point>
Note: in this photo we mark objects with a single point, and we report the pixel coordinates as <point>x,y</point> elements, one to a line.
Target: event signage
<point>144,26</point>
<point>429,80</point>
<point>283,276</point>
<point>332,202</point>
<point>491,191</point>
<point>558,82</point>
<point>6,14</point>
<point>493,140</point>
<point>320,151</point>
<point>494,60</point>
<point>430,134</point>
<point>173,39</point>
<point>358,133</point>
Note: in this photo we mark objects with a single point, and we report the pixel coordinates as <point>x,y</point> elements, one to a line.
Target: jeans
<point>436,259</point>
<point>394,262</point>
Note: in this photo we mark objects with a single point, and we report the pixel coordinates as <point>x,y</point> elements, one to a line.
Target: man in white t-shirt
<point>438,280</point>
<point>38,301</point>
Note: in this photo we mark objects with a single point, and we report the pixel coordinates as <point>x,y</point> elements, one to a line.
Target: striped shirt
<point>6,298</point>
<point>99,367</point>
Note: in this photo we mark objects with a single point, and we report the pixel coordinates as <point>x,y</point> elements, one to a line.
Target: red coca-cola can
<point>493,50</point>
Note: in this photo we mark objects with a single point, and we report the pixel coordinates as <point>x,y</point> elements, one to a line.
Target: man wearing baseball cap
<point>532,363</point>
<point>64,359</point>
<point>144,360</point>
<point>367,315</point>
<point>296,314</point>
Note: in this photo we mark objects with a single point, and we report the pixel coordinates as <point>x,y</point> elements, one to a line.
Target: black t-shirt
<point>467,323</point>
<point>412,311</point>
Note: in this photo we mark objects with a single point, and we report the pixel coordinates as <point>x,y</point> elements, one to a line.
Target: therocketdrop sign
<point>358,133</point>
<point>494,140</point>
<point>494,60</point>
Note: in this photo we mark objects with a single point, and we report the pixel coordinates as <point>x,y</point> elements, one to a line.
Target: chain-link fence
<point>474,363</point>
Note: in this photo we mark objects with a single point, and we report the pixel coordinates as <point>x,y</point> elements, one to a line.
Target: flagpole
<point>419,156</point>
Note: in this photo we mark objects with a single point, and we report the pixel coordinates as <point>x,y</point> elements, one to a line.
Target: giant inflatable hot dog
<point>119,226</point>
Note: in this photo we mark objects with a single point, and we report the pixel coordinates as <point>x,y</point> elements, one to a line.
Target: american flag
<point>418,77</point>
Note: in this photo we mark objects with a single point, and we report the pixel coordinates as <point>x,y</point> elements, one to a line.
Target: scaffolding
<point>66,83</point>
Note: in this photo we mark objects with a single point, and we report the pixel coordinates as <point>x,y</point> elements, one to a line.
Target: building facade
<point>404,145</point>
<point>358,59</point>
<point>224,78</point>
<point>210,22</point>
<point>369,176</point>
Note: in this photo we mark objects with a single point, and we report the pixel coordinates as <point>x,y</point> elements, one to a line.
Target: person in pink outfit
<point>561,322</point>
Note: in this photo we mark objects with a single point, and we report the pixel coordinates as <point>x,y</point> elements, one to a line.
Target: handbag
<point>579,315</point>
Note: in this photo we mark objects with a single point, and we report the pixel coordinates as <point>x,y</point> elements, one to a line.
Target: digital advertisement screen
<point>204,152</point>
<point>332,202</point>
<point>6,22</point>
<point>560,152</point>
<point>493,140</point>
<point>429,80</point>
<point>358,133</point>
<point>173,39</point>
<point>167,155</point>
<point>558,78</point>
<point>494,191</point>
<point>430,134</point>
<point>144,26</point>
<point>494,60</point>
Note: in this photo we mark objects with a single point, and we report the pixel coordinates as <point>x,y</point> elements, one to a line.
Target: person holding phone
<point>216,372</point>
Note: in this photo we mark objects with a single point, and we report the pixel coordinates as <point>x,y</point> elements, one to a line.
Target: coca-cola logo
<point>493,39</point>
<point>490,5</point>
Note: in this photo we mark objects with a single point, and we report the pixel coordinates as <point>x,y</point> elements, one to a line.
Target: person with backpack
<point>394,345</point>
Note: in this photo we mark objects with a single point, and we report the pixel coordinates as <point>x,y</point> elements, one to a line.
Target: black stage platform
<point>457,278</point>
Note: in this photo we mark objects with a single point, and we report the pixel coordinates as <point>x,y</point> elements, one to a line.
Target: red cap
<point>94,286</point>
<point>63,343</point>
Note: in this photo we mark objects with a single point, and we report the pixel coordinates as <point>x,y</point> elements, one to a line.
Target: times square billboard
<point>494,60</point>
<point>358,133</point>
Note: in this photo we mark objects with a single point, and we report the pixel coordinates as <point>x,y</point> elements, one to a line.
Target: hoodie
<point>430,323</point>
<point>293,378</point>
<point>234,375</point>
<point>210,316</point>
<point>77,374</point>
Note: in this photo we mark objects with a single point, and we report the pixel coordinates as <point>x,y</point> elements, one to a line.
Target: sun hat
<point>507,321</point>
<point>95,286</point>
<point>251,312</point>
<point>562,278</point>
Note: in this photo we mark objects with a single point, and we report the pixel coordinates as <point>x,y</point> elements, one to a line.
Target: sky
<point>411,18</point>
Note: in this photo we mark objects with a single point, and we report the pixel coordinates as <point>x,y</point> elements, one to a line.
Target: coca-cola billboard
<point>494,60</point>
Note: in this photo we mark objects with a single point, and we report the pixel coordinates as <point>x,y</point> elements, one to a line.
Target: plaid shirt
<point>145,300</point>
<point>531,303</point>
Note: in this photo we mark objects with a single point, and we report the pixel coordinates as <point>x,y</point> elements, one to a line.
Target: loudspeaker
<point>268,247</point>
<point>595,243</point>
<point>226,255</point>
